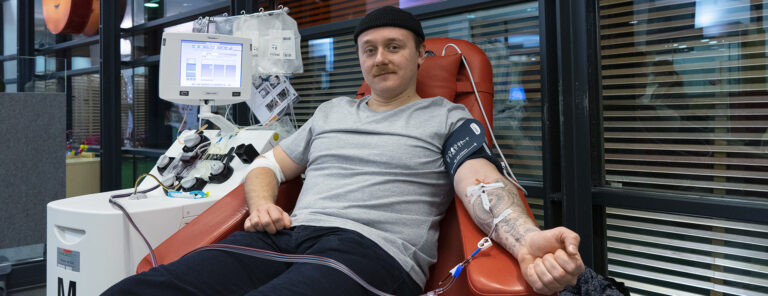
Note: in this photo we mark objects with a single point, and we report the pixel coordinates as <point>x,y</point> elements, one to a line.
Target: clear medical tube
<point>275,256</point>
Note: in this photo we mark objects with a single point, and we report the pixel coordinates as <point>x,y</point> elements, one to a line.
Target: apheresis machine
<point>95,240</point>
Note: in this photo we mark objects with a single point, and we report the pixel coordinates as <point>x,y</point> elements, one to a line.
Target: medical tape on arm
<point>480,190</point>
<point>267,160</point>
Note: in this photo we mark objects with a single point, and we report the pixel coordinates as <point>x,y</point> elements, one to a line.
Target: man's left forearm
<point>548,259</point>
<point>510,230</point>
<point>513,227</point>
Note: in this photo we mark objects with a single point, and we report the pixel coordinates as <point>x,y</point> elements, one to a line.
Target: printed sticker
<point>68,259</point>
<point>287,45</point>
<point>275,44</point>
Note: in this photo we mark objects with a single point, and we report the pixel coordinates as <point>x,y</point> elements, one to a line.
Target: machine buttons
<point>217,167</point>
<point>220,172</point>
<point>193,183</point>
<point>188,157</point>
<point>163,162</point>
<point>246,153</point>
<point>190,151</point>
<point>192,141</point>
<point>168,181</point>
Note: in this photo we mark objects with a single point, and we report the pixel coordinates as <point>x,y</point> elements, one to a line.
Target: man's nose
<point>381,57</point>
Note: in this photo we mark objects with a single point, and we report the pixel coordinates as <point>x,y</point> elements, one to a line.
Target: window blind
<point>664,254</point>
<point>133,109</point>
<point>141,109</point>
<point>685,106</point>
<point>86,103</point>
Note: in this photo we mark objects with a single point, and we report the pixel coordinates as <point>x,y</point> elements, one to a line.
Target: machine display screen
<point>211,64</point>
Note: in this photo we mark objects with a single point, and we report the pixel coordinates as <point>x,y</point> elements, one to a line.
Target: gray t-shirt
<point>379,173</point>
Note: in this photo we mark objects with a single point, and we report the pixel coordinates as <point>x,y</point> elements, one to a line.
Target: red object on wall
<point>74,16</point>
<point>66,16</point>
<point>92,28</point>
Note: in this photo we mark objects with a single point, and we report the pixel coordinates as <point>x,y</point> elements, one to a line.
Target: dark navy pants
<point>215,272</point>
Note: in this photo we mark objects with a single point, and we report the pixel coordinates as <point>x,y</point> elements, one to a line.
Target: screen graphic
<point>210,64</point>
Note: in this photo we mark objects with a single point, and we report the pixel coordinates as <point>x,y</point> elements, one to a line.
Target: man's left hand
<point>550,260</point>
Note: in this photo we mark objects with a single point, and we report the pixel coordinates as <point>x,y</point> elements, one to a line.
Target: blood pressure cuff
<point>467,142</point>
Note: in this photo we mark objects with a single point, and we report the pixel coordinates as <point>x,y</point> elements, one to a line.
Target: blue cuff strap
<point>467,142</point>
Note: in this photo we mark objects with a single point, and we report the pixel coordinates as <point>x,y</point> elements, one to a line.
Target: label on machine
<point>68,259</point>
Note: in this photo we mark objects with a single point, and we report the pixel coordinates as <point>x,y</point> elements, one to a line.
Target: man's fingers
<point>571,240</point>
<point>561,278</point>
<point>266,222</point>
<point>247,224</point>
<point>546,278</point>
<point>572,265</point>
<point>269,218</point>
<point>286,220</point>
<point>534,281</point>
<point>252,223</point>
<point>276,216</point>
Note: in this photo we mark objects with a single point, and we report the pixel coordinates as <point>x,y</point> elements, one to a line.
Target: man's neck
<point>378,103</point>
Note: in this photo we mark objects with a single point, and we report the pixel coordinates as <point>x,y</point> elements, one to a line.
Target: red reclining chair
<point>492,272</point>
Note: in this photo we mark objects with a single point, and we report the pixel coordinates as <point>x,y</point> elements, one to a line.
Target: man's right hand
<point>550,259</point>
<point>267,217</point>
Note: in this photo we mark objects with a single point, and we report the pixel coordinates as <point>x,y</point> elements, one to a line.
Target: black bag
<point>591,283</point>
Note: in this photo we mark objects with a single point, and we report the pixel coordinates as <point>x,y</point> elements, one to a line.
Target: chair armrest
<point>492,272</point>
<point>216,223</point>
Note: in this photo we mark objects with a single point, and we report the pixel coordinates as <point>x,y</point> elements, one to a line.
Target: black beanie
<point>389,16</point>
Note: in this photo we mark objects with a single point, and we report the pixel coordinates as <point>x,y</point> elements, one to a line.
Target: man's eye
<point>369,51</point>
<point>394,47</point>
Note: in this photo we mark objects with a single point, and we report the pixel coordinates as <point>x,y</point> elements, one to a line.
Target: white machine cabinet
<point>90,243</point>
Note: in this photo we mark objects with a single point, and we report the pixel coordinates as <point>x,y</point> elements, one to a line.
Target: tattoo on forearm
<point>511,230</point>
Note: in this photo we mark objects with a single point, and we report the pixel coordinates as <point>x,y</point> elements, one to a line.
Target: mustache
<point>382,70</point>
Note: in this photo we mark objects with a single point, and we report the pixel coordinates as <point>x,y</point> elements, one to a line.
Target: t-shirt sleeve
<point>456,115</point>
<point>297,146</point>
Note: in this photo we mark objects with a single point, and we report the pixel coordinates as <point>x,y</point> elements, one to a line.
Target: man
<point>376,188</point>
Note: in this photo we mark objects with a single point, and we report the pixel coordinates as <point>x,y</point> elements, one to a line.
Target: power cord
<point>113,201</point>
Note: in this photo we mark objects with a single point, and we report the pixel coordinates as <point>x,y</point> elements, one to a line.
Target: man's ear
<point>422,52</point>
